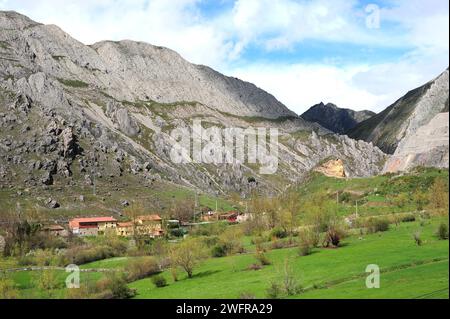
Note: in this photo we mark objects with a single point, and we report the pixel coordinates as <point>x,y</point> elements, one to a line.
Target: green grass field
<point>408,270</point>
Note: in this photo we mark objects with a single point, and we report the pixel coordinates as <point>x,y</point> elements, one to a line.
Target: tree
<point>187,255</point>
<point>401,200</point>
<point>8,289</point>
<point>439,195</point>
<point>47,281</point>
<point>420,199</point>
<point>183,210</point>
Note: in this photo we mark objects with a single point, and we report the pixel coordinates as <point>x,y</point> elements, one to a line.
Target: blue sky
<point>359,54</point>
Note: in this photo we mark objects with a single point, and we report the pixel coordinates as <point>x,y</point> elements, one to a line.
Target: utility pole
<point>356,207</point>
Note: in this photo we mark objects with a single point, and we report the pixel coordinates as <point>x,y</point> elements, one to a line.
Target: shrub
<point>274,290</point>
<point>262,258</point>
<point>159,281</point>
<point>279,233</point>
<point>177,232</point>
<point>26,261</point>
<point>219,250</point>
<point>408,218</point>
<point>142,267</point>
<point>118,287</point>
<point>333,237</point>
<point>290,285</point>
<point>306,242</point>
<point>417,238</point>
<point>8,289</point>
<point>278,244</point>
<point>254,267</point>
<point>81,255</point>
<point>375,225</point>
<point>246,295</point>
<point>443,231</point>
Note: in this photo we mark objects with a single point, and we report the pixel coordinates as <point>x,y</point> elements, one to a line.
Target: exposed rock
<point>332,168</point>
<point>334,118</point>
<point>428,146</point>
<point>51,203</point>
<point>403,118</point>
<point>47,179</point>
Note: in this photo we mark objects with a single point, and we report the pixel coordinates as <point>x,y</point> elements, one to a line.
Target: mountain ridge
<point>75,116</point>
<point>402,118</point>
<point>338,120</point>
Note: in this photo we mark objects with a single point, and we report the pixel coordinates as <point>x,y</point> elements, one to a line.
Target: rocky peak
<point>335,119</point>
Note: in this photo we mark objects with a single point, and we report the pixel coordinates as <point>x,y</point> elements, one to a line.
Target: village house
<point>92,226</point>
<point>231,216</point>
<point>125,229</point>
<point>147,225</point>
<point>55,230</point>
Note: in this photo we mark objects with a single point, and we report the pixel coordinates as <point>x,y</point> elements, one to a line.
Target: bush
<point>159,281</point>
<point>219,250</point>
<point>142,267</point>
<point>118,288</point>
<point>279,244</point>
<point>333,237</point>
<point>408,218</point>
<point>246,295</point>
<point>279,233</point>
<point>177,232</point>
<point>81,255</point>
<point>375,225</point>
<point>8,289</point>
<point>417,238</point>
<point>262,258</point>
<point>26,261</point>
<point>442,231</point>
<point>307,242</point>
<point>274,291</point>
<point>254,267</point>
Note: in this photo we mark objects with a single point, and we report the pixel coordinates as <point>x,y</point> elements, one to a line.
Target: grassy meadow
<point>254,260</point>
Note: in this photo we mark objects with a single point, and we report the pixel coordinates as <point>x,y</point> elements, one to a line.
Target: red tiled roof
<point>125,224</point>
<point>76,221</point>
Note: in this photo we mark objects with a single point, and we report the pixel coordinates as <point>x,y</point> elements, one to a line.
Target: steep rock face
<point>428,146</point>
<point>403,118</point>
<point>333,168</point>
<point>73,116</point>
<point>335,119</point>
<point>132,71</point>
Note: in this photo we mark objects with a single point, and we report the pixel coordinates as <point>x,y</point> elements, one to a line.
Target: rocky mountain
<point>406,116</point>
<point>427,146</point>
<point>93,124</point>
<point>335,119</point>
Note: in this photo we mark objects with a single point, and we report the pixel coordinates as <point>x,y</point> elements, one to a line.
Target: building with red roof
<point>92,226</point>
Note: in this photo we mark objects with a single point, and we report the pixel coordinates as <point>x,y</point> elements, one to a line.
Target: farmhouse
<point>125,229</point>
<point>92,226</point>
<point>147,225</point>
<point>230,216</point>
